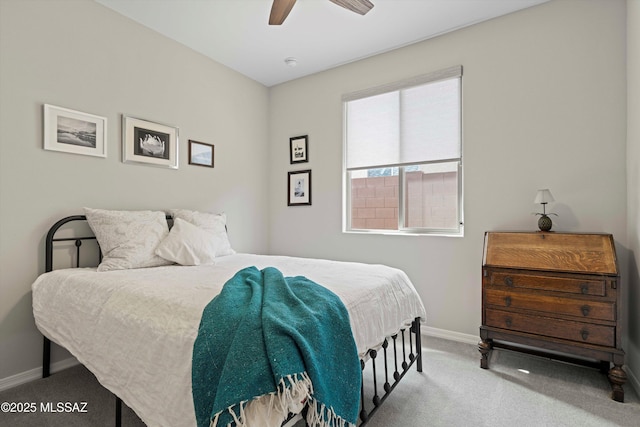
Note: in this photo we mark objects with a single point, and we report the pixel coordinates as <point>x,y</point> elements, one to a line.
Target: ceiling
<point>317,33</point>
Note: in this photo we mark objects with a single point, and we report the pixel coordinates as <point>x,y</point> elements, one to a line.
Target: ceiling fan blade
<point>358,6</point>
<point>280,10</point>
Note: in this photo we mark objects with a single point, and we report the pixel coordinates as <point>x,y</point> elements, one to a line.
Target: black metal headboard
<point>50,242</point>
<point>51,239</point>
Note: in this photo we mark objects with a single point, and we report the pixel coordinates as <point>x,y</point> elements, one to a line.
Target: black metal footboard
<point>396,361</point>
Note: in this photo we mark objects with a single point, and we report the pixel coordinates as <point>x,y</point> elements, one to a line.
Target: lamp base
<point>544,223</point>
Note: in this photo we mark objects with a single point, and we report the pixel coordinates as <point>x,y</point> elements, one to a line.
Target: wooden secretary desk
<point>553,294</point>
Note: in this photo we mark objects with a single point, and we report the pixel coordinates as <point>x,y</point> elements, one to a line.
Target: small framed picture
<point>74,132</point>
<point>299,149</point>
<point>200,154</point>
<point>149,143</point>
<point>299,188</point>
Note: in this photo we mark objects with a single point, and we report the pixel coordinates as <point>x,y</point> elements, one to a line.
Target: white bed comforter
<point>135,329</point>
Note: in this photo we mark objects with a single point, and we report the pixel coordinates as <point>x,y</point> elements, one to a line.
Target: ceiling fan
<point>281,8</point>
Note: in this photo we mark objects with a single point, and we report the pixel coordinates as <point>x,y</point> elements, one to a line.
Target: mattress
<point>135,329</point>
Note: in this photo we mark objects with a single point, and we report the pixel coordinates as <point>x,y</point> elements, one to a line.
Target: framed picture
<point>200,154</point>
<point>149,143</point>
<point>299,188</point>
<point>75,132</point>
<point>299,149</point>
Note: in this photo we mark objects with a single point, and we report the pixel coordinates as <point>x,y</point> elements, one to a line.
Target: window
<point>403,156</point>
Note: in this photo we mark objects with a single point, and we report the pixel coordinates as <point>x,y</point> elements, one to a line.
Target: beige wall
<point>633,184</point>
<point>80,55</point>
<point>544,106</point>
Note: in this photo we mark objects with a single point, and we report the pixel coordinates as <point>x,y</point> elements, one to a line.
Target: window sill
<point>446,233</point>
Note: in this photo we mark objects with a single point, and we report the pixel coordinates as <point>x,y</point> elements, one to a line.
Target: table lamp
<point>543,197</point>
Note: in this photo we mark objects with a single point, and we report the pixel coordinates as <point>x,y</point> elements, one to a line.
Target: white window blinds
<point>414,121</point>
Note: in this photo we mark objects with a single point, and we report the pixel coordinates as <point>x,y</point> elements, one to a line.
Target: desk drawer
<point>596,287</point>
<point>586,309</point>
<point>557,328</point>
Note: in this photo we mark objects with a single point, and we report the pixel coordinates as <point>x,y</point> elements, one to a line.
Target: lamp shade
<point>544,196</point>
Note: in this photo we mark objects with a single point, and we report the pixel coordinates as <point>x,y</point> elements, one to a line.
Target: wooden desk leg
<point>485,347</point>
<point>617,377</point>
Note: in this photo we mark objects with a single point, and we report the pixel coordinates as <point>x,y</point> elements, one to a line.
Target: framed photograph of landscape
<point>298,149</point>
<point>200,154</point>
<point>149,143</point>
<point>299,188</point>
<point>74,132</point>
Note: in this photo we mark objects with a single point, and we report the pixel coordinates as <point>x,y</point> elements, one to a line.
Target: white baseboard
<point>633,380</point>
<point>449,335</point>
<point>34,374</point>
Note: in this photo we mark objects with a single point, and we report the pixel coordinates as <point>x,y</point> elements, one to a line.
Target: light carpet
<point>518,390</point>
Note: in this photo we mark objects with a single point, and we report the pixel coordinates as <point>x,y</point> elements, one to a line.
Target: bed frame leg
<point>46,371</point>
<point>46,358</point>
<point>416,322</point>
<point>118,412</point>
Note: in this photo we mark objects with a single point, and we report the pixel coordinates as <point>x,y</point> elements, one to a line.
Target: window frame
<point>347,211</point>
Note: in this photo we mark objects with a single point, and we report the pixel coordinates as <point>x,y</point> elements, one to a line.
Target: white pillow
<point>187,244</point>
<point>128,239</point>
<point>213,223</point>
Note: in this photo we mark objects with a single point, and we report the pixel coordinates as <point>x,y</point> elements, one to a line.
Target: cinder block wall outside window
<point>431,197</point>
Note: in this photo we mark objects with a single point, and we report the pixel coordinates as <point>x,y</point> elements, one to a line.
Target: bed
<point>134,325</point>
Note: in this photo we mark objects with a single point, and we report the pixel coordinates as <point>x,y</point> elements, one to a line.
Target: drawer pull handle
<point>585,310</point>
<point>584,288</point>
<point>508,281</point>
<point>507,301</point>
<point>507,321</point>
<point>585,334</point>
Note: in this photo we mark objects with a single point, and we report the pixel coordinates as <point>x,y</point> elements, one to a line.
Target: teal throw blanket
<point>266,334</point>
